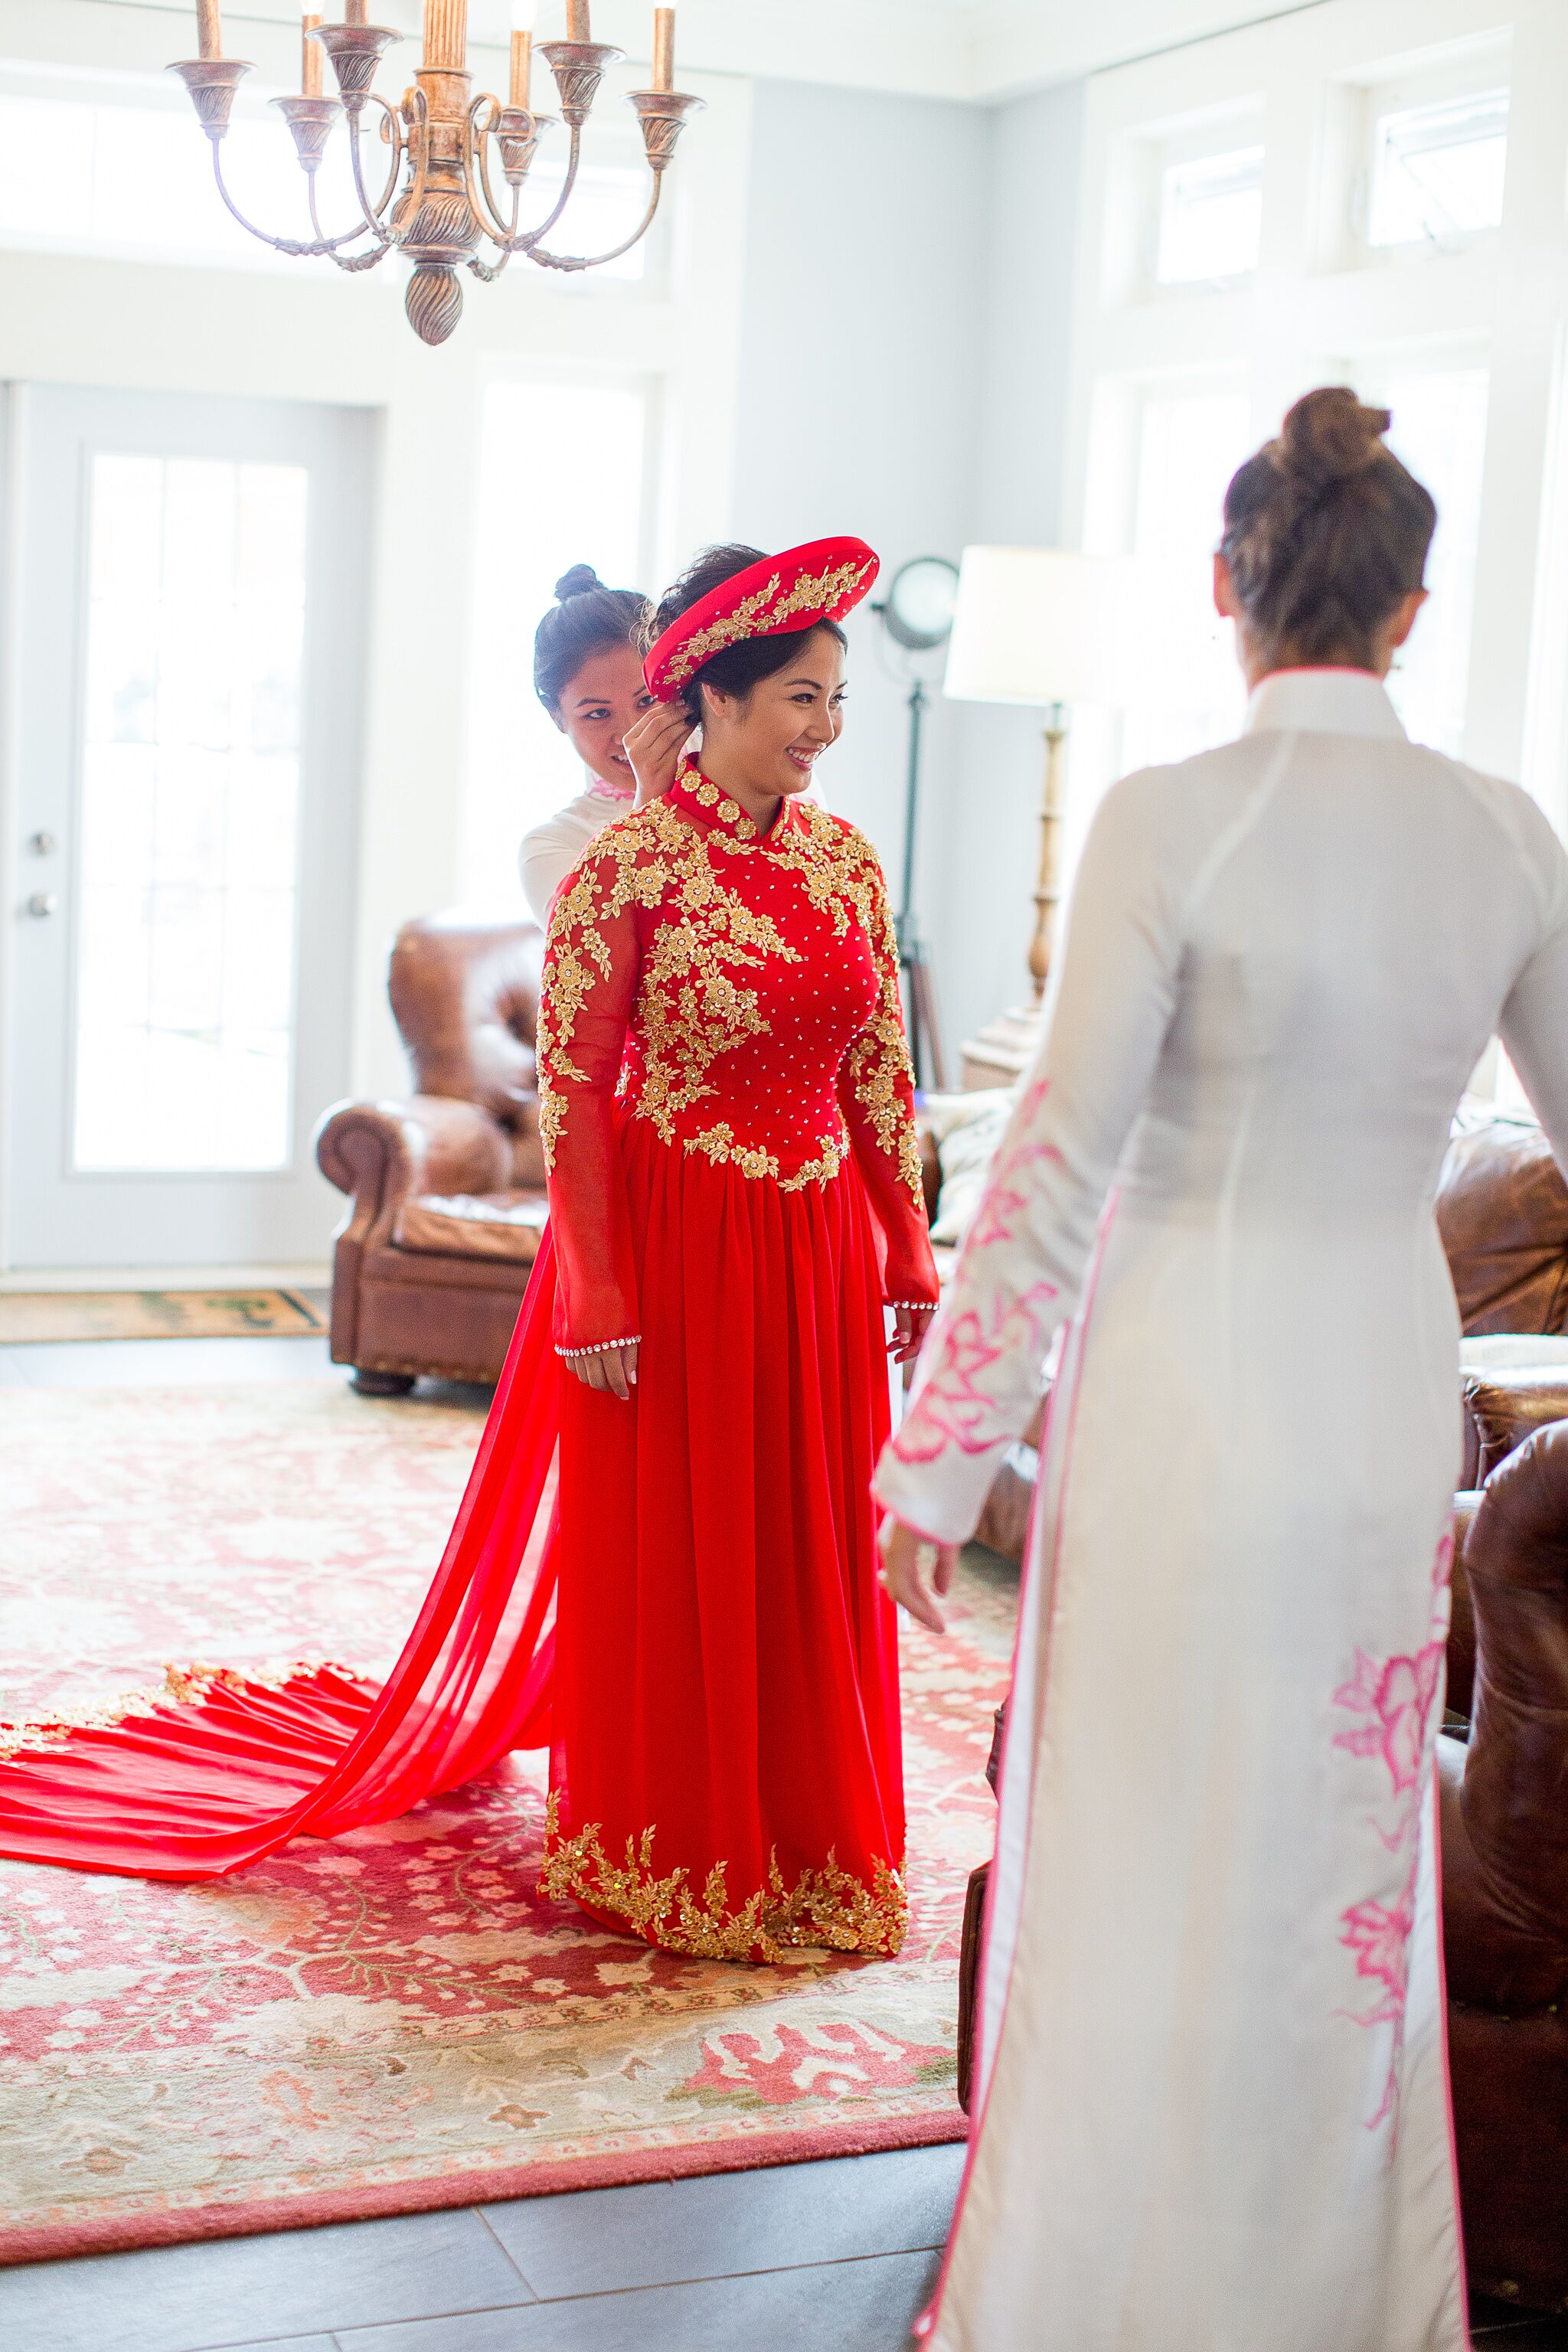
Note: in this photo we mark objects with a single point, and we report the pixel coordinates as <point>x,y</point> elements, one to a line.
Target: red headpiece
<point>797,590</point>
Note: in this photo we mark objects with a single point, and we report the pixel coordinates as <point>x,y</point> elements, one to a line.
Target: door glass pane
<point>1439,431</point>
<point>563,471</point>
<point>1189,446</point>
<point>184,954</point>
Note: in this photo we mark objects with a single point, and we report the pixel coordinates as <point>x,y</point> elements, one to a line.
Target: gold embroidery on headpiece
<point>764,614</point>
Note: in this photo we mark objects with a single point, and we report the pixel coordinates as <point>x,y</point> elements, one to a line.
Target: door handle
<point>43,903</point>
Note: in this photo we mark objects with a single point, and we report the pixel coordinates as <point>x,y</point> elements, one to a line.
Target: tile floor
<point>837,2257</point>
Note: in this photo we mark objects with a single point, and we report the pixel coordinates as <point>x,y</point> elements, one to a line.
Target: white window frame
<point>1311,297</point>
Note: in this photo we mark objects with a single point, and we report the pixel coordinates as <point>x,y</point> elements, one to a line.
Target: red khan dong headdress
<point>797,590</point>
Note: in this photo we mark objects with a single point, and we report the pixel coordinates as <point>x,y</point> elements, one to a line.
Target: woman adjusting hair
<point>1212,2072</point>
<point>726,1107</point>
<point>587,672</point>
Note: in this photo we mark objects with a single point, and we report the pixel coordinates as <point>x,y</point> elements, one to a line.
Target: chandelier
<point>438,202</point>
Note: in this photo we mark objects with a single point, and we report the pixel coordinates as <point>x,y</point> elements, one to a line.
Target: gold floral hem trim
<point>829,1906</point>
<point>190,1686</point>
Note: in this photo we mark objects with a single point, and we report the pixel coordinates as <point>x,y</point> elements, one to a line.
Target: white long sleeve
<point>549,851</point>
<point>1022,1266</point>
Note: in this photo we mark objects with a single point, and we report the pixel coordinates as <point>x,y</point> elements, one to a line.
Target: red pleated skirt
<point>726,1772</point>
<point>719,1688</point>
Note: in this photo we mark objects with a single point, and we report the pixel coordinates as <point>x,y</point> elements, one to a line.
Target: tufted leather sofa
<point>446,1188</point>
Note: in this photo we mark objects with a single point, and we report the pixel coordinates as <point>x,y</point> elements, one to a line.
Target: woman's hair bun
<point>579,581</point>
<point>1329,435</point>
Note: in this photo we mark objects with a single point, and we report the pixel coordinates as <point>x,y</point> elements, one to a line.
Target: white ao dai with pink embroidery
<point>1213,2086</point>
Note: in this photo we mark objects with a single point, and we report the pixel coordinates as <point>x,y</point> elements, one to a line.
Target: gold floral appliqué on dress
<point>826,1908</point>
<point>695,998</point>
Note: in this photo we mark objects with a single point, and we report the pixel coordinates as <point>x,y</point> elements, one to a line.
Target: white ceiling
<point>982,49</point>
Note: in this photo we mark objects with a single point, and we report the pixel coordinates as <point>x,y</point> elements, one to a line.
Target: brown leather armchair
<point>446,1189</point>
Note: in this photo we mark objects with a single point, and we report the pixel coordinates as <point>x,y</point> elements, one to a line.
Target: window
<point>141,182</point>
<point>185,971</point>
<point>565,469</point>
<point>1437,171</point>
<point>1439,431</point>
<point>1210,216</point>
<point>1189,444</point>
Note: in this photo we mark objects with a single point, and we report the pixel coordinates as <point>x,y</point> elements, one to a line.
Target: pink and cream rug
<point>393,2020</point>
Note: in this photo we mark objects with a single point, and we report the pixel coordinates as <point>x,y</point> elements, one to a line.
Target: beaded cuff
<point>632,1340</point>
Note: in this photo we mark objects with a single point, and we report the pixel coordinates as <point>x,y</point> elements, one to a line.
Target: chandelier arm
<point>534,237</point>
<point>296,247</point>
<point>597,260</point>
<point>372,216</point>
<point>477,176</point>
<point>348,262</point>
<point>488,271</point>
<point>417,139</point>
<point>376,212</point>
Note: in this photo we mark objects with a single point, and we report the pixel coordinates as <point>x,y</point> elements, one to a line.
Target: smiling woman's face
<point>606,697</point>
<point>778,732</point>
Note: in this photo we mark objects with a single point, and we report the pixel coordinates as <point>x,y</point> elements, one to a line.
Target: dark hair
<point>739,668</point>
<point>1325,532</point>
<point>588,619</point>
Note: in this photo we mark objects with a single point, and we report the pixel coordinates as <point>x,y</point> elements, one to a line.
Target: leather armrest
<point>1509,1406</point>
<point>1505,1842</point>
<point>380,1153</point>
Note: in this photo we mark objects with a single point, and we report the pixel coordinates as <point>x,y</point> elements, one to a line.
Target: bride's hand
<point>903,1554</point>
<point>613,1369</point>
<point>654,747</point>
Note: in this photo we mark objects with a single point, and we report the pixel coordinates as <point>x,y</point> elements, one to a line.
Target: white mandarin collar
<point>1322,702</point>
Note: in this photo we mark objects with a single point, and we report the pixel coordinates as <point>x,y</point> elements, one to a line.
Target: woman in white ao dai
<point>1211,2085</point>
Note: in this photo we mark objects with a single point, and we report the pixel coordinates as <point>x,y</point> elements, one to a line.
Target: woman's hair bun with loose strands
<point>1325,534</point>
<point>587,618</point>
<point>741,667</point>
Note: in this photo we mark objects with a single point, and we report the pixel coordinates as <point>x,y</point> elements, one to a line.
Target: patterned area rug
<point>393,2020</point>
<point>31,1316</point>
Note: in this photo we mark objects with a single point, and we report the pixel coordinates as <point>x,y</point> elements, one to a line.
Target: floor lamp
<point>1040,626</point>
<point>917,614</point>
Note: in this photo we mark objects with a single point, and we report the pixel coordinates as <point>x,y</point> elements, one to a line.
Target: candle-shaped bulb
<point>209,30</point>
<point>577,21</point>
<point>311,59</point>
<point>664,49</point>
<point>523,13</point>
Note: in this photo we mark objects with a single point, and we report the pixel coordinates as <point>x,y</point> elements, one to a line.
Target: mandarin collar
<point>1322,702</point>
<point>692,791</point>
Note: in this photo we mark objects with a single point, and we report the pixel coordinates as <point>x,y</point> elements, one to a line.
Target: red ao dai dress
<point>727,1106</point>
<point>727,1111</point>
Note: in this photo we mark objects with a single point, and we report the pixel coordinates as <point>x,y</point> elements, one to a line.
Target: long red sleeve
<point>591,960</point>
<point>877,1094</point>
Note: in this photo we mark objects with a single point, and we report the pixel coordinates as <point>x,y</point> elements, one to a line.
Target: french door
<point>189,690</point>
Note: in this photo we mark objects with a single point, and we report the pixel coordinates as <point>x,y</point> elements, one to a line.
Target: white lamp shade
<point>1039,625</point>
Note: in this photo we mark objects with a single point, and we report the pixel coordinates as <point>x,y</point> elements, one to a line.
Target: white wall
<point>985,841</point>
<point>857,402</point>
<point>903,374</point>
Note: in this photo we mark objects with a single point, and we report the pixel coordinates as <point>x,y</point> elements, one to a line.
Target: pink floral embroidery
<point>952,1407</point>
<point>1398,1695</point>
<point>996,1219</point>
